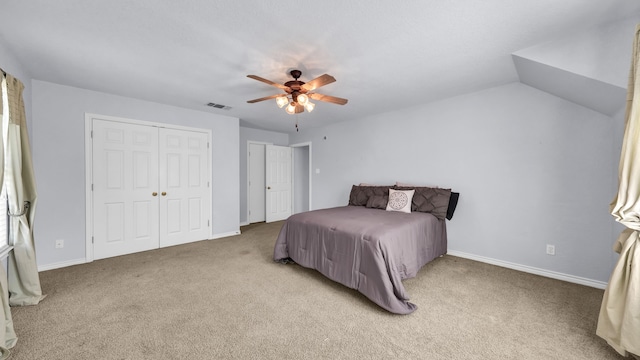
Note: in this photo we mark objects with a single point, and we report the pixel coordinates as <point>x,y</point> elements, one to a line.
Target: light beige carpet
<point>226,299</point>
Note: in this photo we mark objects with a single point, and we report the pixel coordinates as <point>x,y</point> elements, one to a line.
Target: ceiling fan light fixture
<point>302,99</point>
<point>298,94</point>
<point>291,109</point>
<point>309,106</point>
<point>281,101</point>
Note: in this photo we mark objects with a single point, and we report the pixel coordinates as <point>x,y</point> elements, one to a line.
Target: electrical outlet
<point>551,249</point>
<point>59,244</point>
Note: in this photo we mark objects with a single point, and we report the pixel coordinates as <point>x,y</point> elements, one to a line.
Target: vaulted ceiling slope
<point>587,67</point>
<point>384,54</point>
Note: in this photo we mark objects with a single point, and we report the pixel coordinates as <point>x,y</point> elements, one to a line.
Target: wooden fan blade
<point>327,98</point>
<point>279,86</point>
<point>321,80</point>
<point>265,98</point>
<point>299,108</point>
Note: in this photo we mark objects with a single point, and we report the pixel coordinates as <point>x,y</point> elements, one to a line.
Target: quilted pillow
<point>400,200</point>
<point>430,200</point>
<point>360,194</point>
<point>377,202</point>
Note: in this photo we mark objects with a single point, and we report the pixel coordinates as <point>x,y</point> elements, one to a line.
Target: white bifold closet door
<point>150,187</point>
<point>184,186</point>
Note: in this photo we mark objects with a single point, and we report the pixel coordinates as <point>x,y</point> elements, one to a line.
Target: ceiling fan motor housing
<point>295,86</point>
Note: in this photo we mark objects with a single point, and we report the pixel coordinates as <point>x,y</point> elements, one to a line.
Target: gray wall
<point>532,169</point>
<point>58,152</point>
<point>262,136</point>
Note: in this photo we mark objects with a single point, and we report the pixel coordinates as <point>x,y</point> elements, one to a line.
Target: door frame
<point>88,162</point>
<point>303,144</point>
<point>249,142</point>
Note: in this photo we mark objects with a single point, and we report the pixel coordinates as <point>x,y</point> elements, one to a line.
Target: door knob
<point>154,193</point>
<point>164,193</point>
<point>268,187</point>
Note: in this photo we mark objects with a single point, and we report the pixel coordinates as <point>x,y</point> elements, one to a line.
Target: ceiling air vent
<point>219,106</point>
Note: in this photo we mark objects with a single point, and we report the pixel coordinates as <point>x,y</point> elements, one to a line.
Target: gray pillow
<point>360,194</point>
<point>430,200</point>
<point>378,202</point>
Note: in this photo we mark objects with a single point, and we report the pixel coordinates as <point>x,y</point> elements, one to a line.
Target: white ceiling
<point>384,54</point>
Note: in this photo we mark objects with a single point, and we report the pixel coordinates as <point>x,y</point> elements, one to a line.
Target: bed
<point>367,248</point>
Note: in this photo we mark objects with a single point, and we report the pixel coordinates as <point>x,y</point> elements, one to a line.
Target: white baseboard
<point>227,234</point>
<point>244,223</point>
<point>61,264</point>
<point>532,270</point>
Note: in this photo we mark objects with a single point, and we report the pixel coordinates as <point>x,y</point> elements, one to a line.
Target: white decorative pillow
<point>400,200</point>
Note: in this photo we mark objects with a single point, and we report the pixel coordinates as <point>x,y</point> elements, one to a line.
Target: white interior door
<point>185,204</point>
<point>125,179</point>
<point>256,183</point>
<point>278,182</point>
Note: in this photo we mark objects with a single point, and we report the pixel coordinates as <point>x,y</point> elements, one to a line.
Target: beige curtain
<point>24,282</point>
<point>8,337</point>
<point>619,320</point>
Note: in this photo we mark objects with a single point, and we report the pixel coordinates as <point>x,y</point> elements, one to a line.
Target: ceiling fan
<point>297,93</point>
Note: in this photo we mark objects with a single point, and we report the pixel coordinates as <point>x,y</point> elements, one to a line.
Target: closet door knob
<point>154,193</point>
<point>164,193</point>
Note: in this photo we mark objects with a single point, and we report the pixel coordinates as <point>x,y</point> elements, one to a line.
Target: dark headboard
<point>453,202</point>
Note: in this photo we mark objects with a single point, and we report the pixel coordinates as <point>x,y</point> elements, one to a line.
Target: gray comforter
<point>369,250</point>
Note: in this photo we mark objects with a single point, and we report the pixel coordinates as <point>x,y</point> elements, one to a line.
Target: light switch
<point>317,171</point>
